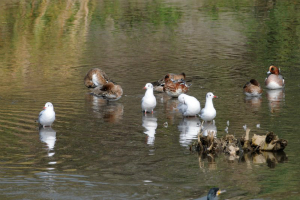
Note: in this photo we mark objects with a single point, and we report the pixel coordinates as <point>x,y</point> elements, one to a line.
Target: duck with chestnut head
<point>274,79</point>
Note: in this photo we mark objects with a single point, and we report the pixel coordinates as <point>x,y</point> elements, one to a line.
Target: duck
<point>159,85</point>
<point>149,100</point>
<point>95,77</point>
<point>47,116</point>
<point>189,105</point>
<point>274,79</point>
<point>252,88</point>
<point>208,113</point>
<point>175,88</point>
<point>108,91</point>
<point>213,193</point>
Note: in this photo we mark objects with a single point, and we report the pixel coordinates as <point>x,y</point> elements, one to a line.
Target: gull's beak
<point>44,108</point>
<point>144,88</point>
<point>215,96</point>
<point>268,72</point>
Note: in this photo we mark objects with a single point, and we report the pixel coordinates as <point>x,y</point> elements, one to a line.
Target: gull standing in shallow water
<point>189,105</point>
<point>208,113</point>
<point>47,116</point>
<point>149,100</point>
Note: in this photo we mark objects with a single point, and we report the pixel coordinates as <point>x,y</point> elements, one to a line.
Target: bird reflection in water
<point>209,127</point>
<point>254,102</point>
<point>110,111</point>
<point>48,136</point>
<point>170,107</point>
<point>150,124</point>
<point>189,129</point>
<point>275,98</point>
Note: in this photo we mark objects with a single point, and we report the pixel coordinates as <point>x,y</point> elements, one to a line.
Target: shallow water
<point>100,150</point>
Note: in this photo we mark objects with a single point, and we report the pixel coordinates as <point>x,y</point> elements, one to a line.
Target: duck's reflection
<point>275,98</point>
<point>253,102</point>
<point>150,124</point>
<point>48,136</point>
<point>110,111</point>
<point>189,129</point>
<point>209,128</point>
<point>170,106</point>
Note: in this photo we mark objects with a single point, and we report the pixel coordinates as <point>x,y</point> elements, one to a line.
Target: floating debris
<point>226,129</point>
<point>228,123</point>
<point>257,125</point>
<point>245,127</point>
<point>166,124</point>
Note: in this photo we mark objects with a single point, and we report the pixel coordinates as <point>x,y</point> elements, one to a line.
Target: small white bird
<point>189,105</point>
<point>208,113</point>
<point>149,100</point>
<point>47,116</point>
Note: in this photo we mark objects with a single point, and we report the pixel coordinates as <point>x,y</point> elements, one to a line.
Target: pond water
<point>100,150</point>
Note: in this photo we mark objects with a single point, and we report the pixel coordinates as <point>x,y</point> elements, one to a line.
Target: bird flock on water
<point>173,85</point>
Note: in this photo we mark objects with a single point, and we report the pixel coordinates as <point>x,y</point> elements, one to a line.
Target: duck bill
<point>220,192</point>
<point>268,72</point>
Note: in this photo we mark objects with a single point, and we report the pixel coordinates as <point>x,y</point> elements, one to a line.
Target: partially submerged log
<point>269,142</point>
<point>232,146</point>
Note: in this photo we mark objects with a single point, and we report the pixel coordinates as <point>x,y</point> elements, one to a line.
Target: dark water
<point>100,150</point>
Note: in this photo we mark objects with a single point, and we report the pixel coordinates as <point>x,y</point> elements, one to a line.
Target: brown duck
<point>175,88</point>
<point>108,91</point>
<point>158,85</point>
<point>95,77</point>
<point>252,88</point>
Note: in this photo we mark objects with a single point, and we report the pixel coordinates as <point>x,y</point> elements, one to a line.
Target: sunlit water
<point>101,150</point>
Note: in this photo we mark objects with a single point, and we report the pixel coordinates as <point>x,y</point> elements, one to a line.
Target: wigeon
<point>189,105</point>
<point>47,116</point>
<point>149,100</point>
<point>274,80</point>
<point>208,113</point>
<point>252,88</point>
<point>108,91</point>
<point>175,88</point>
<point>95,77</point>
<point>158,85</point>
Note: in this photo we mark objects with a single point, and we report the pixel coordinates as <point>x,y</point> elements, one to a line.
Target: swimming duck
<point>208,113</point>
<point>95,77</point>
<point>159,85</point>
<point>252,88</point>
<point>213,192</point>
<point>149,100</point>
<point>274,80</point>
<point>189,105</point>
<point>47,116</point>
<point>175,88</point>
<point>108,91</point>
